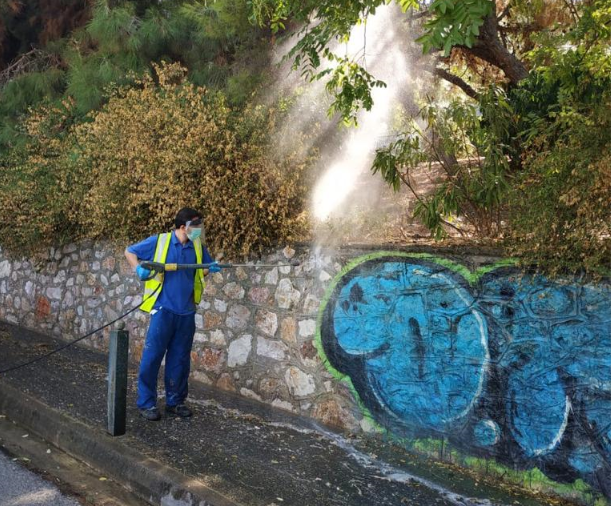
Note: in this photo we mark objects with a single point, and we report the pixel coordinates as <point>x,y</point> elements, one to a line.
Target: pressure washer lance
<point>159,267</point>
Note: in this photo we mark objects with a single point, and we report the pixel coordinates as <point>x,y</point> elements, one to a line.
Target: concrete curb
<point>145,477</point>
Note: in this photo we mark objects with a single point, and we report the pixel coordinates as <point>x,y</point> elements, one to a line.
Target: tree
<point>468,28</point>
<point>526,153</point>
<point>53,54</point>
<point>561,195</point>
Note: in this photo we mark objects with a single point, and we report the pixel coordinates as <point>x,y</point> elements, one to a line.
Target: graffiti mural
<point>502,364</point>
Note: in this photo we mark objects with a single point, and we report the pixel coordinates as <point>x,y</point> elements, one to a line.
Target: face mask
<point>194,234</point>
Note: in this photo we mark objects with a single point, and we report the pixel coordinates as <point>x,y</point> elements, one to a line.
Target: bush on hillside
<point>34,204</point>
<point>152,149</point>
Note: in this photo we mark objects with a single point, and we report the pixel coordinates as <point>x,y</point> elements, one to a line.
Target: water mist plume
<point>344,186</point>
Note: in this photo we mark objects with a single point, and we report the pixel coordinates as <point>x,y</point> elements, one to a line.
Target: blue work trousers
<point>171,335</point>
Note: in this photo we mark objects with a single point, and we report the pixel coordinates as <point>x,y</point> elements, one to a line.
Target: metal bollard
<point>117,379</point>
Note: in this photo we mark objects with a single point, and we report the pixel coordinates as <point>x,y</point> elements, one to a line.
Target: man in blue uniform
<point>171,298</point>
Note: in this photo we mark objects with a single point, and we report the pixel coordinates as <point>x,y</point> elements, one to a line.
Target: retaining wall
<point>434,348</point>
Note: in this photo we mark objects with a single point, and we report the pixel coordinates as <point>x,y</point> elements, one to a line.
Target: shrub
<point>560,217</point>
<point>34,203</point>
<point>153,148</point>
<point>157,147</point>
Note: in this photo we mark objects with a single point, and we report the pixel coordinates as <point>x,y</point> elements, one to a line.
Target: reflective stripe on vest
<point>198,283</point>
<point>161,253</point>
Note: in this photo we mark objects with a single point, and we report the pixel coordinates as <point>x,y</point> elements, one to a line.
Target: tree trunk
<point>489,48</point>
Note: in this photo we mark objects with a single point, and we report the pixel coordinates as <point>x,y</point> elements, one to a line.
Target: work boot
<point>151,414</point>
<point>179,410</point>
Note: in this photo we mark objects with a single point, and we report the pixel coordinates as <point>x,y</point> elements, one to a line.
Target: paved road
<point>21,487</point>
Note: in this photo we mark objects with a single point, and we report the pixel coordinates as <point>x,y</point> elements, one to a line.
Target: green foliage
<point>121,41</point>
<point>531,164</point>
<point>350,85</point>
<point>561,218</point>
<point>21,93</point>
<point>123,145</point>
<point>460,142</point>
<point>242,86</point>
<point>454,23</point>
<point>527,161</point>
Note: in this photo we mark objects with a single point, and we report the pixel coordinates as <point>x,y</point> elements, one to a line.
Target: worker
<point>171,298</point>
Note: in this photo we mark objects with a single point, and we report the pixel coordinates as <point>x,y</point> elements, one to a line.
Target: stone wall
<point>445,347</point>
<point>255,325</point>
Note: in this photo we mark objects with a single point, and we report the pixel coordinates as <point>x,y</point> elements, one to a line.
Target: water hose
<point>70,343</point>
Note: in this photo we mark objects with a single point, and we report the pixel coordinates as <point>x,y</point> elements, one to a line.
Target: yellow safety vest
<point>161,253</point>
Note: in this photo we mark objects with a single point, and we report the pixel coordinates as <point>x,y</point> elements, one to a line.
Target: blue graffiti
<point>486,433</point>
<point>399,319</point>
<point>515,367</point>
<point>555,346</point>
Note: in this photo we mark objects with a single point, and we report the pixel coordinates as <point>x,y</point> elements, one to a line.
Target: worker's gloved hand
<point>143,273</point>
<point>214,267</point>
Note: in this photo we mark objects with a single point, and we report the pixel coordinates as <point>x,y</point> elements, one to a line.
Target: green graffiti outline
<point>471,277</point>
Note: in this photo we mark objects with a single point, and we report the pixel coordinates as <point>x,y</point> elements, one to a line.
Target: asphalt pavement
<point>21,487</point>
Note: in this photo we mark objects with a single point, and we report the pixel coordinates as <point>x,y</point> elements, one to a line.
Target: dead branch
<point>32,61</point>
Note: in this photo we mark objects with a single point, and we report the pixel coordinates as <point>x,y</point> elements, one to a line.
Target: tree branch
<point>419,15</point>
<point>457,81</point>
<point>406,180</point>
<point>504,13</point>
<point>573,11</point>
<point>35,60</point>
<point>489,48</point>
